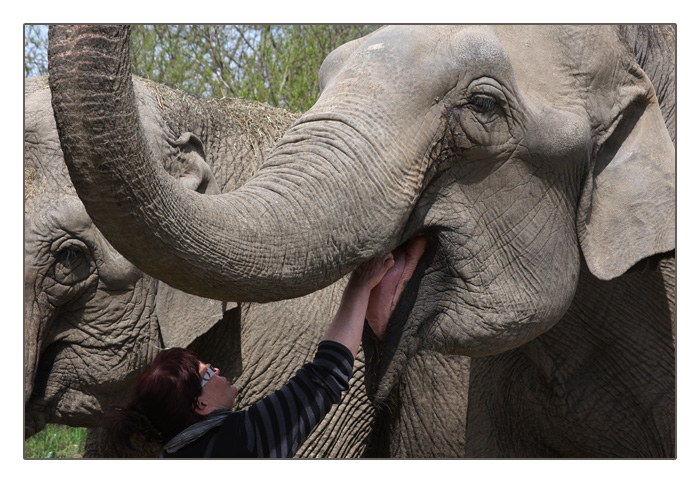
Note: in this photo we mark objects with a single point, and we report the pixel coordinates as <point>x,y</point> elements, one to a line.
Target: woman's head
<point>217,391</point>
<point>163,400</point>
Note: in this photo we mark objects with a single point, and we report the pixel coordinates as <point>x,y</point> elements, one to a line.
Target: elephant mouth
<point>38,409</point>
<point>42,402</point>
<point>386,357</point>
<point>416,257</point>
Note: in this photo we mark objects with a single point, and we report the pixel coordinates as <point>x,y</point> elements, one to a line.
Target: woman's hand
<point>385,294</point>
<point>348,323</point>
<point>372,292</point>
<point>369,274</point>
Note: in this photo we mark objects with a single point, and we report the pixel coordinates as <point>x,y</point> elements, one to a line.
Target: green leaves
<point>275,64</point>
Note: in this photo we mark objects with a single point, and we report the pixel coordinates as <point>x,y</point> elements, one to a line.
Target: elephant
<point>536,400</point>
<point>557,395</point>
<point>93,320</point>
<point>536,161</point>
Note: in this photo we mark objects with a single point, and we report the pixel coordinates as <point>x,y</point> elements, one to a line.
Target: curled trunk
<point>258,243</point>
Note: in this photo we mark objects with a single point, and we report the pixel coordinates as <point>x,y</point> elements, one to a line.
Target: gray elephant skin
<point>539,162</point>
<point>73,379</point>
<point>93,320</point>
<point>600,383</point>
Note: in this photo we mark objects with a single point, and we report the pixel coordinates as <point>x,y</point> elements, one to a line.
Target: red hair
<point>162,400</point>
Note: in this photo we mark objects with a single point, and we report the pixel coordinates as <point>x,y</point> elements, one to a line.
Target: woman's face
<point>217,392</point>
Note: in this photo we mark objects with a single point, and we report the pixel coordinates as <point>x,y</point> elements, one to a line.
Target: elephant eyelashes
<point>482,103</point>
<point>71,265</point>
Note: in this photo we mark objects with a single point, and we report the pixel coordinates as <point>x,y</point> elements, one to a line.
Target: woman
<point>185,403</point>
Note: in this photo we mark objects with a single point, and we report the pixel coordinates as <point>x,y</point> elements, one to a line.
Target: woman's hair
<point>162,400</point>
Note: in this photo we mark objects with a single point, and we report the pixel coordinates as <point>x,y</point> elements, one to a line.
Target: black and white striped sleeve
<point>277,425</point>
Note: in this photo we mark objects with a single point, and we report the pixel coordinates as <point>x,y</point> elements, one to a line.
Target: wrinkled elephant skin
<point>76,288</point>
<point>93,320</point>
<point>524,154</point>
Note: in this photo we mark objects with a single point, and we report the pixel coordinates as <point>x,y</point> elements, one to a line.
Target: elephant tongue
<point>406,259</point>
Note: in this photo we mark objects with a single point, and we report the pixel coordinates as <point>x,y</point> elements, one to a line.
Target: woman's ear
<point>201,407</point>
<point>627,208</point>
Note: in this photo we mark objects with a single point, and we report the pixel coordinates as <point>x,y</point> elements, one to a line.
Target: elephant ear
<point>183,317</point>
<point>627,209</point>
<point>190,167</point>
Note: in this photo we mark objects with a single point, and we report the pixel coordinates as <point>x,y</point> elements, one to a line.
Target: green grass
<point>56,441</point>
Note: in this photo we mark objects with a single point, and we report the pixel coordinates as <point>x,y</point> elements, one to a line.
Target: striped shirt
<point>277,425</point>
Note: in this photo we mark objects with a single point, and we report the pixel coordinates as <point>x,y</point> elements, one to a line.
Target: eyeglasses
<point>210,372</point>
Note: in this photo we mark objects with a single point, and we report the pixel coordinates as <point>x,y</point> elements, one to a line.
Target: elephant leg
<point>92,443</point>
<point>500,418</point>
<point>433,411</point>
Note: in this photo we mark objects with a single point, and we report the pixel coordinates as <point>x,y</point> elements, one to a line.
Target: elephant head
<point>518,151</point>
<point>92,319</point>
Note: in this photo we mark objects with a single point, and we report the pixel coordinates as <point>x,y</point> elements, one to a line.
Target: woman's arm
<point>373,292</point>
<point>346,327</point>
<point>277,425</point>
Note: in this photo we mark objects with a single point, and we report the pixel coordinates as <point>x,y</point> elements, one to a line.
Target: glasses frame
<point>207,376</point>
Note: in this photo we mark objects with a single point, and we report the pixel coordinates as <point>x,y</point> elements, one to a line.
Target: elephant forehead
<point>442,46</point>
<point>563,63</point>
<point>45,174</point>
<point>558,63</point>
<point>60,211</point>
<point>405,64</point>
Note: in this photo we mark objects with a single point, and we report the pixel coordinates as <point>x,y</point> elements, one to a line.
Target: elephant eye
<point>67,256</point>
<point>71,264</point>
<point>482,103</point>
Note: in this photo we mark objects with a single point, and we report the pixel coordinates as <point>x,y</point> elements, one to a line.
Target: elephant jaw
<point>422,321</point>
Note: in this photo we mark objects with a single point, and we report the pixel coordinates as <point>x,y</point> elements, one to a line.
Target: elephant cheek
<point>504,282</point>
<point>465,334</point>
<point>489,324</point>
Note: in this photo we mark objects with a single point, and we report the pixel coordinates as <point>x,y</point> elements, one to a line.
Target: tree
<point>282,62</point>
<point>35,47</point>
<point>275,64</point>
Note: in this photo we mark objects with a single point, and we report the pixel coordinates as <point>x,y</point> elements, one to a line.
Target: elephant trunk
<point>259,243</point>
